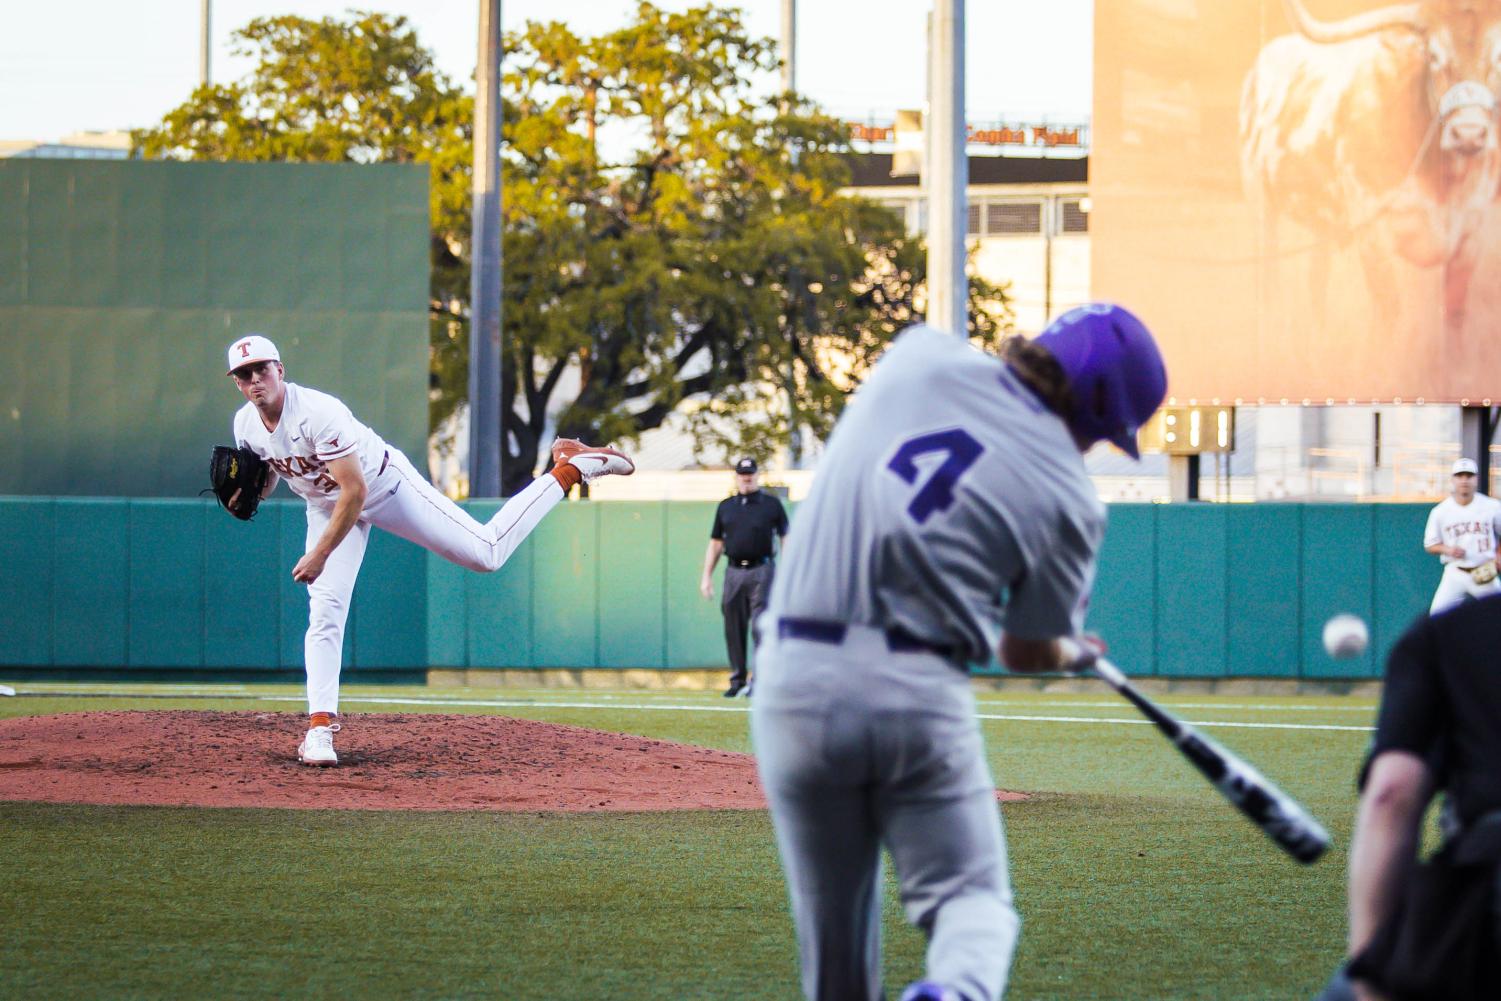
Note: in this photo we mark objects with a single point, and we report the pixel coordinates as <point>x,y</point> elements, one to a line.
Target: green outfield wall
<point>1193,591</point>
<point>123,282</point>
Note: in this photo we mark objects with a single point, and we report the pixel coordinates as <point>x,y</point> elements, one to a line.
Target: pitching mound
<point>405,761</point>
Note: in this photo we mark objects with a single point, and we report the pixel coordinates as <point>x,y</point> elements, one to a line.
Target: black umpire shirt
<point>745,524</point>
<point>1442,702</point>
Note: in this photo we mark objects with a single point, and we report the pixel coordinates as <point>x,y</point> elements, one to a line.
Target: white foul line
<point>679,707</point>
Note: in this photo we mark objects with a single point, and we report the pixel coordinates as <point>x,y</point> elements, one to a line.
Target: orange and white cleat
<point>592,461</point>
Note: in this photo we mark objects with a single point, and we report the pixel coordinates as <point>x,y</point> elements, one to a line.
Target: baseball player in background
<point>1462,531</point>
<point>952,519</point>
<point>351,480</point>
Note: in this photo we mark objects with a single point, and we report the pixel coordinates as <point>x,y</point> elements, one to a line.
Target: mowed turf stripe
<point>1240,724</point>
<point>681,707</point>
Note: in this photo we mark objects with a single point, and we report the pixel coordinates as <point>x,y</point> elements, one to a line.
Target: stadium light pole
<point>798,287</point>
<point>789,45</point>
<point>485,265</point>
<point>948,173</point>
<point>205,34</point>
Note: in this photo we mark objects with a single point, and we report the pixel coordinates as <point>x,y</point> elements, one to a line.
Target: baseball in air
<point>1345,636</point>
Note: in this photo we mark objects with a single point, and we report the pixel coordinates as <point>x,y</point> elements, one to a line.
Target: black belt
<point>898,640</point>
<point>750,563</point>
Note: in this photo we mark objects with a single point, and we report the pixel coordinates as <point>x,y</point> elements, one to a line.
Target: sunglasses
<point>247,372</point>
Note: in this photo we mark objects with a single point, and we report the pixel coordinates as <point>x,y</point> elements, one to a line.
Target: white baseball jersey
<point>1474,527</point>
<point>315,428</point>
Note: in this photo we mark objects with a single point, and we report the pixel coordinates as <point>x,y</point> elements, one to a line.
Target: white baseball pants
<point>404,503</point>
<point>1455,585</point>
<point>859,746</point>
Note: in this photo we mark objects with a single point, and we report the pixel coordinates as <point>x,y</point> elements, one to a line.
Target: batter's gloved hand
<point>237,476</point>
<point>1080,652</point>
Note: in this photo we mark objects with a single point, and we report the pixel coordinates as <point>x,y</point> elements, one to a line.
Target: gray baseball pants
<point>857,747</point>
<point>745,593</point>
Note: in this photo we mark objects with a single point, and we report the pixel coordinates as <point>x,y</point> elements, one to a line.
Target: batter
<point>1462,532</point>
<point>952,516</point>
<point>351,479</point>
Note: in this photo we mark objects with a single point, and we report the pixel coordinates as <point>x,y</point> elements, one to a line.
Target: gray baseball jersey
<point>950,503</point>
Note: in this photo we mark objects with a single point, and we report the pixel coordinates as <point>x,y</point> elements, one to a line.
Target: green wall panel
<point>448,612</point>
<point>1337,576</point>
<point>1123,606</point>
<point>1191,590</point>
<point>632,585</point>
<point>500,604</point>
<point>1406,575</point>
<point>188,271</point>
<point>565,587</point>
<point>27,584</point>
<point>1263,620</point>
<point>242,583</point>
<point>166,591</point>
<point>391,599</point>
<point>1183,590</point>
<point>15,238</point>
<point>695,628</point>
<point>52,217</point>
<point>91,613</point>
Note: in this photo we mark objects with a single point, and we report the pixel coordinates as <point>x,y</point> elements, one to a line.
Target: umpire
<point>743,528</point>
<point>1430,930</point>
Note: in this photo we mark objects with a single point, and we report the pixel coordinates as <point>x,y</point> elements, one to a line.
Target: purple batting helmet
<point>1114,370</point>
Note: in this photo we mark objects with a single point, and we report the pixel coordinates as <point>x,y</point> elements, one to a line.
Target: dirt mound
<point>387,761</point>
<point>405,761</point>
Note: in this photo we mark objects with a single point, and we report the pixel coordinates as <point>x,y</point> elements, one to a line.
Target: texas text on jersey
<point>314,430</point>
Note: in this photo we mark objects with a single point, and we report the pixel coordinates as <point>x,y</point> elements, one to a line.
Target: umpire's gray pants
<point>859,746</point>
<point>745,593</point>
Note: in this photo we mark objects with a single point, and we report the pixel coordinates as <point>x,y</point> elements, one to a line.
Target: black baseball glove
<point>237,469</point>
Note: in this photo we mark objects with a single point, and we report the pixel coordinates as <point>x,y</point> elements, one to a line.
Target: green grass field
<point>1134,879</point>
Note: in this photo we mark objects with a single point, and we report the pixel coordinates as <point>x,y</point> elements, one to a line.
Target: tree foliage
<point>675,240</point>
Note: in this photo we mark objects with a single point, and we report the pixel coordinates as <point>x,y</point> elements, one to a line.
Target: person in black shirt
<point>743,532</point>
<point>1439,728</point>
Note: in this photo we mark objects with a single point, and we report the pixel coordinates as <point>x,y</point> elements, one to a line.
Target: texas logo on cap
<point>249,350</point>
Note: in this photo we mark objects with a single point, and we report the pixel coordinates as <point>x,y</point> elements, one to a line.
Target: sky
<point>107,64</point>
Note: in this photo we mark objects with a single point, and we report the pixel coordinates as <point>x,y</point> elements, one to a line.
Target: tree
<point>716,264</point>
<point>675,239</point>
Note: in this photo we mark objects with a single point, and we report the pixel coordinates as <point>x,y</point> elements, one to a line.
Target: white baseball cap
<point>1465,466</point>
<point>249,350</point>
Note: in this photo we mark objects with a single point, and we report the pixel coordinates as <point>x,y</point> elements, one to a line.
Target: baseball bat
<point>1278,815</point>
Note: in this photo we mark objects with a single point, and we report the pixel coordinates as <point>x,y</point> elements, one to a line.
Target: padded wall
<point>1183,590</point>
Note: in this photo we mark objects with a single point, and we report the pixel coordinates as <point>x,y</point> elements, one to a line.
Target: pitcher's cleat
<point>592,461</point>
<point>317,748</point>
<point>562,448</point>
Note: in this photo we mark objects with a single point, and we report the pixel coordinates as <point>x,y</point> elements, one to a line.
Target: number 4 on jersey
<point>960,450</point>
